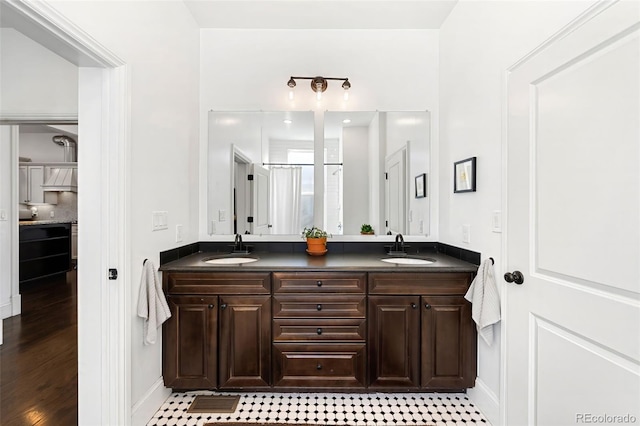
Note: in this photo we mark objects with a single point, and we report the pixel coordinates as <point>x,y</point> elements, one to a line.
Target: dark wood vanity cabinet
<point>319,330</point>
<point>421,334</point>
<point>219,333</point>
<point>319,323</point>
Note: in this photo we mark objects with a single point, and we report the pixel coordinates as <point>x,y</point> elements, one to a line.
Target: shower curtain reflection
<point>285,205</point>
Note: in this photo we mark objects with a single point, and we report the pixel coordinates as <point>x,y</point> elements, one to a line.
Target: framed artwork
<point>464,175</point>
<point>421,185</point>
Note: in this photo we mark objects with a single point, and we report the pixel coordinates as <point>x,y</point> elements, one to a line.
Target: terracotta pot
<point>316,246</point>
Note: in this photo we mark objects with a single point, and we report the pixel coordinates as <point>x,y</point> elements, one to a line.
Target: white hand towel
<point>152,305</point>
<point>483,294</point>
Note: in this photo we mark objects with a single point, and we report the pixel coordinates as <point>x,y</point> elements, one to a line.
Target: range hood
<point>62,178</point>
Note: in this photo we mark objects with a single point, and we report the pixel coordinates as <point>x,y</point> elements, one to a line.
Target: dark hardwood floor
<point>39,357</point>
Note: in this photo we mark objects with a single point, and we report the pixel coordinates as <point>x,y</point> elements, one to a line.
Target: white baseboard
<point>12,307</point>
<point>486,401</point>
<point>143,410</point>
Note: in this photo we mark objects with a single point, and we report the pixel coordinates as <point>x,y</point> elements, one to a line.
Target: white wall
<point>249,70</point>
<point>34,80</point>
<point>478,42</point>
<point>159,42</point>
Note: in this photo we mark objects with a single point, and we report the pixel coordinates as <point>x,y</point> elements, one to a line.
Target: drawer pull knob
<point>319,367</point>
<point>319,331</point>
<point>223,306</point>
<point>319,283</point>
<point>319,307</point>
<point>413,305</point>
<point>210,306</point>
<point>427,306</point>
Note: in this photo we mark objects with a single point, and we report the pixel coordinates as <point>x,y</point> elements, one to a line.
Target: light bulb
<point>319,95</point>
<point>291,94</point>
<point>346,95</point>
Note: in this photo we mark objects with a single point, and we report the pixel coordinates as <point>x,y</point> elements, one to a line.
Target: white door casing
<point>396,191</point>
<point>260,200</point>
<point>572,329</point>
<point>104,336</point>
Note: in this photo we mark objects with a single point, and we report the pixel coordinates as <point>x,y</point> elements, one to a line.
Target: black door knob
<point>319,307</point>
<point>319,367</point>
<point>210,306</point>
<point>319,331</point>
<point>427,306</point>
<point>223,306</point>
<point>514,277</point>
<point>413,305</point>
<point>319,283</point>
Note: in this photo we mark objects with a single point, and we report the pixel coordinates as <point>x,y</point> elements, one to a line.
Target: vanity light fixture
<point>319,85</point>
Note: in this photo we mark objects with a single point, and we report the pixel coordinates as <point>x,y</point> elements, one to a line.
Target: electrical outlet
<point>421,228</point>
<point>52,214</point>
<point>222,215</point>
<point>178,233</point>
<point>466,234</point>
<point>3,215</point>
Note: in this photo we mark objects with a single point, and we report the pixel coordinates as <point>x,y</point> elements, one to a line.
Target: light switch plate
<point>222,215</point>
<point>466,233</point>
<point>159,221</point>
<point>496,221</point>
<point>178,233</point>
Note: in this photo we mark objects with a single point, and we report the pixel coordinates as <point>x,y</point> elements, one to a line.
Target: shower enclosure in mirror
<point>261,172</point>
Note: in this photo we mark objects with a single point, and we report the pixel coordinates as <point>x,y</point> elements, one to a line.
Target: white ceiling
<point>320,14</point>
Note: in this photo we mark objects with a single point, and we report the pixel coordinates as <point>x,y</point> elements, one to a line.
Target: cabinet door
<point>23,189</point>
<point>36,179</point>
<point>394,345</point>
<point>448,343</point>
<point>190,343</point>
<point>245,341</point>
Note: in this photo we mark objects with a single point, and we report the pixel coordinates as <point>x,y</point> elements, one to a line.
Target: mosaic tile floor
<point>345,409</point>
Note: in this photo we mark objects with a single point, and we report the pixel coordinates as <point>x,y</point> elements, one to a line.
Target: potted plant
<point>366,229</point>
<point>316,240</point>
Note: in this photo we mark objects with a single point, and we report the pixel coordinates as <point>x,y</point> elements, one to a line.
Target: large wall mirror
<point>375,169</point>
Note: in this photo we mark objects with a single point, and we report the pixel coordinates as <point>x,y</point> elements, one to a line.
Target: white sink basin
<point>230,260</point>
<point>407,261</point>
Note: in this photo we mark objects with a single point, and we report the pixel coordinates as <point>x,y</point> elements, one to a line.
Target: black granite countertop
<point>365,262</point>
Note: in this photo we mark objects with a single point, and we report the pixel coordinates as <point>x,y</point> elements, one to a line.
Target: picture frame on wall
<point>464,175</point>
<point>421,185</point>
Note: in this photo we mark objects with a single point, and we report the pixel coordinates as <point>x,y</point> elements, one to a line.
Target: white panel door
<point>395,191</point>
<point>260,200</point>
<point>573,230</point>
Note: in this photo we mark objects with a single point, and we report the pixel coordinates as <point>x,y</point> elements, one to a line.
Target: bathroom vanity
<point>337,322</point>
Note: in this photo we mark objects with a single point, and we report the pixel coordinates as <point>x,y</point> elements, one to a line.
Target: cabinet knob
<point>223,306</point>
<point>319,331</point>
<point>427,306</point>
<point>319,283</point>
<point>319,307</point>
<point>413,305</point>
<point>210,306</point>
<point>319,367</point>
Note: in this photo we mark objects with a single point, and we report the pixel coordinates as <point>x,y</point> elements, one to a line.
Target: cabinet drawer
<point>321,329</point>
<point>217,283</point>
<point>319,282</point>
<point>319,365</point>
<point>319,306</point>
<point>444,283</point>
